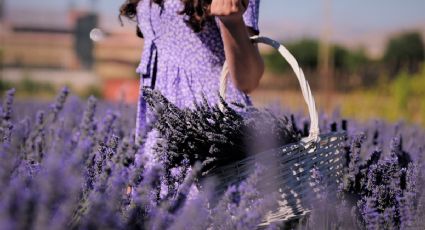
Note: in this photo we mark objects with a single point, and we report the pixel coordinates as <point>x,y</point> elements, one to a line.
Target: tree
<point>305,51</point>
<point>405,51</point>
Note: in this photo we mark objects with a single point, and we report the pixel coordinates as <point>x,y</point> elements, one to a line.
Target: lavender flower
<point>69,170</point>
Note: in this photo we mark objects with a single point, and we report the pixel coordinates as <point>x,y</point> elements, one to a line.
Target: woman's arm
<point>243,58</point>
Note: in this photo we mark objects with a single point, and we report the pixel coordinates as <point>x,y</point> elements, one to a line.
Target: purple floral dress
<point>180,63</point>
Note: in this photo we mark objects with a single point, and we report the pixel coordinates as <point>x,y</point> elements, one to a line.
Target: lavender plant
<point>71,165</point>
<point>6,124</point>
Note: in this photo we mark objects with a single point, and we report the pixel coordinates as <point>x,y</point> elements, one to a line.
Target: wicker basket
<point>294,161</point>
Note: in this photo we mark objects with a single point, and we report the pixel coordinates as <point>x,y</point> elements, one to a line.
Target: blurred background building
<point>365,58</point>
<point>40,57</point>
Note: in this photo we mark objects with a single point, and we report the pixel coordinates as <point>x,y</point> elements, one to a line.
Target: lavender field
<point>71,164</point>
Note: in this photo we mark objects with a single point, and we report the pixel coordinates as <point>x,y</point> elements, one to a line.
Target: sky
<point>350,20</point>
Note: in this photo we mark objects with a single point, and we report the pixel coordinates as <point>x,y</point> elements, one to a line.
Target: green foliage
<point>422,112</point>
<point>417,86</point>
<point>4,86</point>
<point>306,52</point>
<point>28,87</point>
<point>414,84</point>
<point>32,87</point>
<point>393,99</point>
<point>401,90</point>
<point>404,51</point>
<point>93,91</point>
<point>273,62</point>
<point>349,60</point>
<point>417,83</point>
<point>409,88</point>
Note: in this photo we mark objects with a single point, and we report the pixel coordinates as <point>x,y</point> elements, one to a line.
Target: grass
<point>360,105</point>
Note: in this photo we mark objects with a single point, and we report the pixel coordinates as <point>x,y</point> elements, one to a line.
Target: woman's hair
<point>196,10</point>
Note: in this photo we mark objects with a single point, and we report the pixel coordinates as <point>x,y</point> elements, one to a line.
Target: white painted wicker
<point>294,161</point>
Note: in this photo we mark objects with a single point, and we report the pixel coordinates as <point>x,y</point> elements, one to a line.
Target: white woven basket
<point>294,161</point>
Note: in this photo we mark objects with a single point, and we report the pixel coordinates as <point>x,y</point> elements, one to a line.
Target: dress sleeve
<point>251,15</point>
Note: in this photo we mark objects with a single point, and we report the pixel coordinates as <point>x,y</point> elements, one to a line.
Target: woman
<point>185,45</point>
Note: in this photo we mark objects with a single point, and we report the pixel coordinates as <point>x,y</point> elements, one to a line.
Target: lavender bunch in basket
<point>212,136</point>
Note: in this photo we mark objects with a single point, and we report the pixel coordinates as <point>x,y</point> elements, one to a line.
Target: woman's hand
<point>229,11</point>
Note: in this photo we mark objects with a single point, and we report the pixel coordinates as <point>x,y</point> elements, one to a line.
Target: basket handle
<point>305,88</point>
